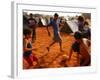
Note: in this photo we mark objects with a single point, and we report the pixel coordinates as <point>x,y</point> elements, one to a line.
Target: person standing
<point>56,33</point>
<point>32,25</point>
<point>81,23</point>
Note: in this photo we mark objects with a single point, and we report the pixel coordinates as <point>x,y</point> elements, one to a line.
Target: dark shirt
<point>76,47</point>
<point>29,52</point>
<point>81,26</point>
<point>25,20</point>
<point>32,22</point>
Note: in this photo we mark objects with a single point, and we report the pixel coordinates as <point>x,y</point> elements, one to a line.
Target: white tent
<point>73,25</point>
<point>44,22</point>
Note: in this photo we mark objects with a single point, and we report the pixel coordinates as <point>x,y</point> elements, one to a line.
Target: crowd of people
<point>29,37</point>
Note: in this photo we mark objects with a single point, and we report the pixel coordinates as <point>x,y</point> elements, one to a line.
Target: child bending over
<point>76,46</point>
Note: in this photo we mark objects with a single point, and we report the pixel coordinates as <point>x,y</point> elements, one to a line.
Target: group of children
<point>33,61</point>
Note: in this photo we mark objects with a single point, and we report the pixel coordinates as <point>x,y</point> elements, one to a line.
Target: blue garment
<point>28,53</point>
<point>55,27</point>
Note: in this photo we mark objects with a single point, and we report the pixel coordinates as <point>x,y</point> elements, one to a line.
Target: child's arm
<point>34,48</point>
<point>70,54</point>
<point>48,30</point>
<point>47,27</point>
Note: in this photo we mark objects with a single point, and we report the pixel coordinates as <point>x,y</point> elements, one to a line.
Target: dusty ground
<point>54,58</point>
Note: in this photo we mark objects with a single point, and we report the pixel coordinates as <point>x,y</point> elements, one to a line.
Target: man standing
<point>32,25</point>
<point>56,33</point>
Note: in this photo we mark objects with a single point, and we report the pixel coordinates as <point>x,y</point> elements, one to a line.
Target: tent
<point>73,25</point>
<point>66,28</point>
<point>70,27</point>
<point>42,22</point>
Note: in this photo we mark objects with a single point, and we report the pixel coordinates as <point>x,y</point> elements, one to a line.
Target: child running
<point>56,33</point>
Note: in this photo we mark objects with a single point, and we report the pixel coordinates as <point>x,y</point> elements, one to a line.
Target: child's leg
<point>29,60</point>
<point>25,63</point>
<point>60,44</point>
<point>51,45</point>
<point>34,60</point>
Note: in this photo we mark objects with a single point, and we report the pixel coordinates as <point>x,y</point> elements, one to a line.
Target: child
<point>76,46</point>
<point>27,47</point>
<point>56,33</point>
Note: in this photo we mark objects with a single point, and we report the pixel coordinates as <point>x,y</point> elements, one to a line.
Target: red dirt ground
<point>54,58</point>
